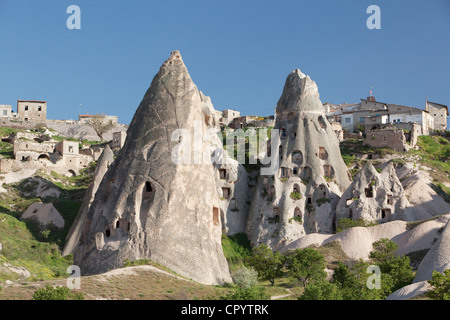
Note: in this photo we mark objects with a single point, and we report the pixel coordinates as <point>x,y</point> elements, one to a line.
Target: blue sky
<point>238,52</point>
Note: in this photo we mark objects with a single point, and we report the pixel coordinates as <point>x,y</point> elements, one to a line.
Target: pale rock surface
<point>374,196</point>
<point>411,291</point>
<point>73,237</point>
<point>310,164</point>
<point>45,213</point>
<point>148,205</point>
<point>438,258</point>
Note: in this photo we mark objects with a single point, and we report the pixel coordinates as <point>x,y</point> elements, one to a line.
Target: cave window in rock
<point>148,190</point>
<point>350,213</point>
<point>309,199</point>
<point>323,153</point>
<point>323,191</point>
<point>295,171</point>
<point>233,204</point>
<point>296,188</point>
<point>297,212</point>
<point>272,191</point>
<point>215,216</point>
<point>284,172</point>
<point>283,132</point>
<point>389,199</point>
<point>369,191</point>
<point>297,157</point>
<point>386,214</point>
<point>128,226</point>
<point>322,122</point>
<point>276,212</point>
<point>108,233</point>
<point>117,224</point>
<point>280,151</point>
<point>306,173</point>
<point>328,171</point>
<point>222,173</point>
<point>226,192</point>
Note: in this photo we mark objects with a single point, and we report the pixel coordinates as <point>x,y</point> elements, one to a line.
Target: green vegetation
<point>296,195</point>
<point>306,265</point>
<point>236,248</point>
<point>57,293</point>
<point>322,201</point>
<point>434,151</point>
<point>441,285</point>
<point>346,223</point>
<point>267,263</point>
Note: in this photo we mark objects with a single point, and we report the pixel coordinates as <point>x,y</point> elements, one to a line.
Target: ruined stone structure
<point>149,206</point>
<point>374,196</point>
<point>300,198</point>
<point>32,110</point>
<point>387,136</point>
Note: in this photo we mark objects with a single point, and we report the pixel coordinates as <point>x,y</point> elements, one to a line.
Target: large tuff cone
<point>301,196</point>
<point>149,207</point>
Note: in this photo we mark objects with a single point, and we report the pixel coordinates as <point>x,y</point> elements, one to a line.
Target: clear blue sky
<point>238,52</point>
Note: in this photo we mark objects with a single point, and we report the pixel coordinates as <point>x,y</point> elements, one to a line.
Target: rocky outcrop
<point>44,213</point>
<point>158,201</point>
<point>73,237</point>
<point>374,196</point>
<point>438,258</point>
<point>301,196</point>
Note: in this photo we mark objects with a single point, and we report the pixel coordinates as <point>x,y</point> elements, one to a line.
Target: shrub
<point>267,263</point>
<point>441,285</point>
<point>296,195</point>
<point>245,277</point>
<point>321,291</point>
<point>56,293</point>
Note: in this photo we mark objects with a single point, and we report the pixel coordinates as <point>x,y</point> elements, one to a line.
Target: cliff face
<point>149,204</point>
<point>301,196</point>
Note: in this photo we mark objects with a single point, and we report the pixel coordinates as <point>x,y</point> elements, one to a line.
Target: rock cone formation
<point>148,206</point>
<point>300,198</point>
<point>73,237</point>
<point>375,196</point>
<point>438,258</point>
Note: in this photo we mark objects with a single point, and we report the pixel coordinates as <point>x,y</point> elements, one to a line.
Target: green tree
<point>397,267</point>
<point>307,265</point>
<point>441,285</point>
<point>323,290</point>
<point>267,263</point>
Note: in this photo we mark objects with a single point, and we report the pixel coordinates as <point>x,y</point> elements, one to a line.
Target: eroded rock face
<point>148,206</point>
<point>73,237</point>
<point>374,196</point>
<point>301,196</point>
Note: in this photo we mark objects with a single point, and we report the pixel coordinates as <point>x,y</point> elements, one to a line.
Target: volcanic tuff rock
<point>375,196</point>
<point>149,207</point>
<point>300,198</point>
<point>103,163</point>
<point>438,258</point>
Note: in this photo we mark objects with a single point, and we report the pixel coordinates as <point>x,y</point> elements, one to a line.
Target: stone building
<point>5,111</point>
<point>439,112</point>
<point>388,136</point>
<point>32,110</point>
<point>118,140</point>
